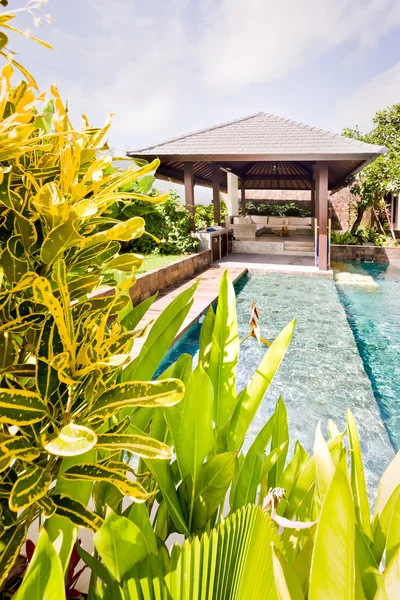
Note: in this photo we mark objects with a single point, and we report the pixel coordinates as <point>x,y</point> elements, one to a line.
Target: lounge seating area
<point>250,227</point>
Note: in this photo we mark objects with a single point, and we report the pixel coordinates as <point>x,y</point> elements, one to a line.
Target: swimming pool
<point>322,373</point>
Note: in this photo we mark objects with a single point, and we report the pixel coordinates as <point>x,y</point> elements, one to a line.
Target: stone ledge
<point>163,278</point>
<point>379,254</point>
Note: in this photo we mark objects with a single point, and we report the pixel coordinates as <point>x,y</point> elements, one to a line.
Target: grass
<point>155,261</point>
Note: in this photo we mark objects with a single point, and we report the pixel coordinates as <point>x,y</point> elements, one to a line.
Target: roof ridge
<point>197,131</point>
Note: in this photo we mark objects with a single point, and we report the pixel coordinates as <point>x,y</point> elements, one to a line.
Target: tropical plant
<point>381,179</point>
<point>63,349</point>
<point>344,239</point>
<point>204,215</point>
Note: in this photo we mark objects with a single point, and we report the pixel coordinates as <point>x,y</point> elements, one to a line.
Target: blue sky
<point>165,67</point>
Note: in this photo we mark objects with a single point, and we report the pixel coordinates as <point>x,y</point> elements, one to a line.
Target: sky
<point>166,67</point>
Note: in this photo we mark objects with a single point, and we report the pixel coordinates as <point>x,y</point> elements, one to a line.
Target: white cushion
<point>259,226</point>
<point>259,220</point>
<point>242,221</point>
<point>273,221</point>
<point>306,221</point>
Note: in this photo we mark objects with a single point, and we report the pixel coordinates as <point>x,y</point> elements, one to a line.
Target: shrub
<point>290,209</point>
<point>170,224</point>
<point>344,239</point>
<point>204,215</point>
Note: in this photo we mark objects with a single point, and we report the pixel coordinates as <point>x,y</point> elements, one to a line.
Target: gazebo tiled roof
<point>261,134</point>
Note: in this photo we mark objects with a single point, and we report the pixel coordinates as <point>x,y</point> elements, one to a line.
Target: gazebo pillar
<point>188,179</point>
<point>232,199</point>
<point>216,193</point>
<point>312,206</point>
<point>243,196</point>
<point>321,190</point>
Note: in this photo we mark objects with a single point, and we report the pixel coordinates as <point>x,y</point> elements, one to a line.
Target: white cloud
<point>377,93</point>
<point>260,40</point>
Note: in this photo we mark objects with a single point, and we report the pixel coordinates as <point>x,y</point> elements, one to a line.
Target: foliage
<point>344,239</point>
<point>204,215</point>
<point>290,209</point>
<point>169,223</point>
<point>381,178</point>
<point>385,240</point>
<point>63,352</point>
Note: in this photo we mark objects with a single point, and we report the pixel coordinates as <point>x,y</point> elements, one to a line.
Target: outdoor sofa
<point>252,226</point>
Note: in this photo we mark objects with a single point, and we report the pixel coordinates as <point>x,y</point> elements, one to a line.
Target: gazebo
<point>267,152</point>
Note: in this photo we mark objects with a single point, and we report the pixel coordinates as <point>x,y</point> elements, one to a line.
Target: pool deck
<point>274,263</point>
<point>206,294</point>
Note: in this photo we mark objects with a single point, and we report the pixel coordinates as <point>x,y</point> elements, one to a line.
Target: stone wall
<point>378,254</point>
<point>160,279</point>
<point>339,204</point>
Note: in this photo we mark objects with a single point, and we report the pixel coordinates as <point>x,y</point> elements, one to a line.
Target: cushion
<point>259,220</point>
<point>273,221</point>
<point>242,221</point>
<point>306,221</point>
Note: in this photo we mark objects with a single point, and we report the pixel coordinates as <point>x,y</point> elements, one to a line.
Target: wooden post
<point>216,194</point>
<point>243,196</point>
<point>189,191</point>
<point>312,207</point>
<point>321,189</point>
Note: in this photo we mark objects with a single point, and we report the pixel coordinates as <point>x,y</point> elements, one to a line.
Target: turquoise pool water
<point>373,313</point>
<point>322,373</point>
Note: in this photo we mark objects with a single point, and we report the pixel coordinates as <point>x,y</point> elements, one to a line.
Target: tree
<point>380,179</point>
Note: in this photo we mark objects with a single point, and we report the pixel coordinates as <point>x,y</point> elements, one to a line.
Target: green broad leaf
<point>324,467</point>
<point>130,321</point>
<point>196,437</point>
<point>31,485</point>
<point>120,544</point>
<point>11,541</point>
<point>213,482</point>
<point>272,458</point>
<point>224,354</point>
<point>388,483</point>
<point>141,445</point>
<point>162,473</point>
<point>302,564</point>
<point>366,564</point>
<point>292,471</point>
<point>286,583</point>
<point>125,262</point>
<point>206,334</point>
<point>160,338</point>
<point>96,472</point>
<point>248,480</point>
<point>44,577</point>
<point>137,393</point>
<point>182,370</point>
<point>333,566</point>
<point>251,397</point>
<point>140,516</point>
<point>280,435</point>
<point>96,566</point>
<point>393,532</point>
<point>71,441</point>
<point>263,436</point>
<point>388,584</point>
<point>76,512</point>
<point>20,407</point>
<point>383,522</point>
<point>357,480</point>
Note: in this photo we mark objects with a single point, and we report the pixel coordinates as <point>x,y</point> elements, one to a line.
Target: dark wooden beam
<point>189,191</point>
<point>216,174</point>
<point>264,177</point>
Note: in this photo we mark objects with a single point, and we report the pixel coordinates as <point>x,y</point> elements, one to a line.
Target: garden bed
<point>354,253</point>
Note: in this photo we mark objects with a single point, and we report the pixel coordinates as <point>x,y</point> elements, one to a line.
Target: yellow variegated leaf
<point>126,230</point>
<point>71,441</point>
<point>166,392</point>
<point>43,294</point>
<point>20,407</point>
<point>10,546</point>
<point>76,512</point>
<point>85,208</point>
<point>19,447</point>
<point>126,262</point>
<point>141,445</point>
<point>31,485</point>
<point>102,473</point>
